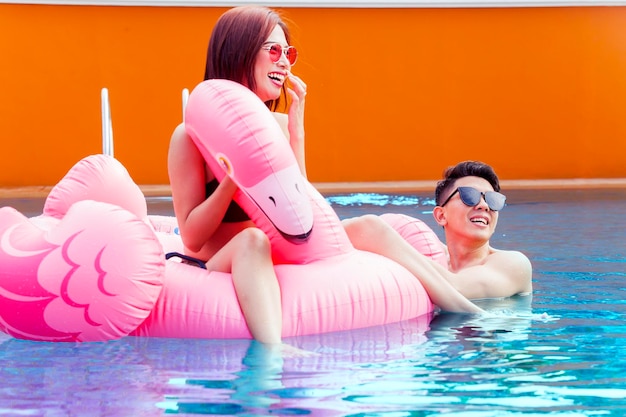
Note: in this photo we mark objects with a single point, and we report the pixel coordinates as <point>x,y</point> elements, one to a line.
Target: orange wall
<point>394,94</point>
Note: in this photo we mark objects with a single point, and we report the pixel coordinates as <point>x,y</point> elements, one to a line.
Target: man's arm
<point>370,233</point>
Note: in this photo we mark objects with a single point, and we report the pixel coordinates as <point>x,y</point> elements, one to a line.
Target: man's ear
<point>439,213</point>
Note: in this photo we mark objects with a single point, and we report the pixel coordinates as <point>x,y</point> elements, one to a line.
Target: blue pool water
<point>560,352</point>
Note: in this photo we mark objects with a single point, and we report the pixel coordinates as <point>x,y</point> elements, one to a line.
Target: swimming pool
<point>517,361</point>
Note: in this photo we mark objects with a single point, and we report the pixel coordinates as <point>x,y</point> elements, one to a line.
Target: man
<point>468,204</point>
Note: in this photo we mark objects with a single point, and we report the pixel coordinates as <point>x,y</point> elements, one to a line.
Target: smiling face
<point>477,222</point>
<point>270,76</point>
<point>236,52</point>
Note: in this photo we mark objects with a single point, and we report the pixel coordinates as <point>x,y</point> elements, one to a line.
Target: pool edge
<point>151,190</point>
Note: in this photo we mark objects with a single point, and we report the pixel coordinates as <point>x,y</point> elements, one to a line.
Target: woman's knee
<point>253,238</point>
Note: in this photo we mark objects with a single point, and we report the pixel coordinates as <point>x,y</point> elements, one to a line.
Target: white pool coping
<point>159,190</point>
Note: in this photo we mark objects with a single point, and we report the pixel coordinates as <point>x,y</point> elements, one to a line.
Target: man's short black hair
<point>461,170</point>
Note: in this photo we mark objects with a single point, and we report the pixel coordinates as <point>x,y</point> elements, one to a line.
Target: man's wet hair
<point>461,170</point>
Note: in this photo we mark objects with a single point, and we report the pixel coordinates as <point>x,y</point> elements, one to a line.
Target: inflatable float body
<point>91,267</point>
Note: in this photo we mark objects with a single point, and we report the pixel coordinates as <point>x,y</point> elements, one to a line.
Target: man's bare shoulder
<point>510,255</point>
<point>514,256</point>
<point>516,266</point>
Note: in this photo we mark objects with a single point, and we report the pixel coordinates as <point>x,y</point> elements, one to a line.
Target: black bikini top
<point>234,213</point>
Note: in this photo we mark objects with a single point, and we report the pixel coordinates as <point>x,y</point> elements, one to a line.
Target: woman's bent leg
<point>247,256</point>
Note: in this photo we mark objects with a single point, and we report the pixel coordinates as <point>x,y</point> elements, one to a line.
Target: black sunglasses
<point>470,196</point>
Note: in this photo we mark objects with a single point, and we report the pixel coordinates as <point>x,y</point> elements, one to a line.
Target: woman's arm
<point>292,124</point>
<point>198,217</point>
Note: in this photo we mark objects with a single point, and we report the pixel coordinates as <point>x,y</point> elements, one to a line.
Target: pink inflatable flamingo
<point>92,266</point>
<point>92,274</point>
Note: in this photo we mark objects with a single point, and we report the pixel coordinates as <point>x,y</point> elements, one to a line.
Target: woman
<point>249,45</point>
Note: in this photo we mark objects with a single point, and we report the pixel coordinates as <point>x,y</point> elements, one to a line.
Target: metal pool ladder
<point>107,124</point>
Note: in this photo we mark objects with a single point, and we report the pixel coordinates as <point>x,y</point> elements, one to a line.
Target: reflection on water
<point>559,352</point>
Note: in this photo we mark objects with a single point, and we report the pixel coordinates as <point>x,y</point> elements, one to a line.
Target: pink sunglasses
<point>276,50</point>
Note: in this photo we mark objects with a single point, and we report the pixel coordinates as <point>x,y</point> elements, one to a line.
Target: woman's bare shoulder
<point>179,133</point>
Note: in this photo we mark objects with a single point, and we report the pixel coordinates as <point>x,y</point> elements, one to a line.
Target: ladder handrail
<point>107,124</point>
